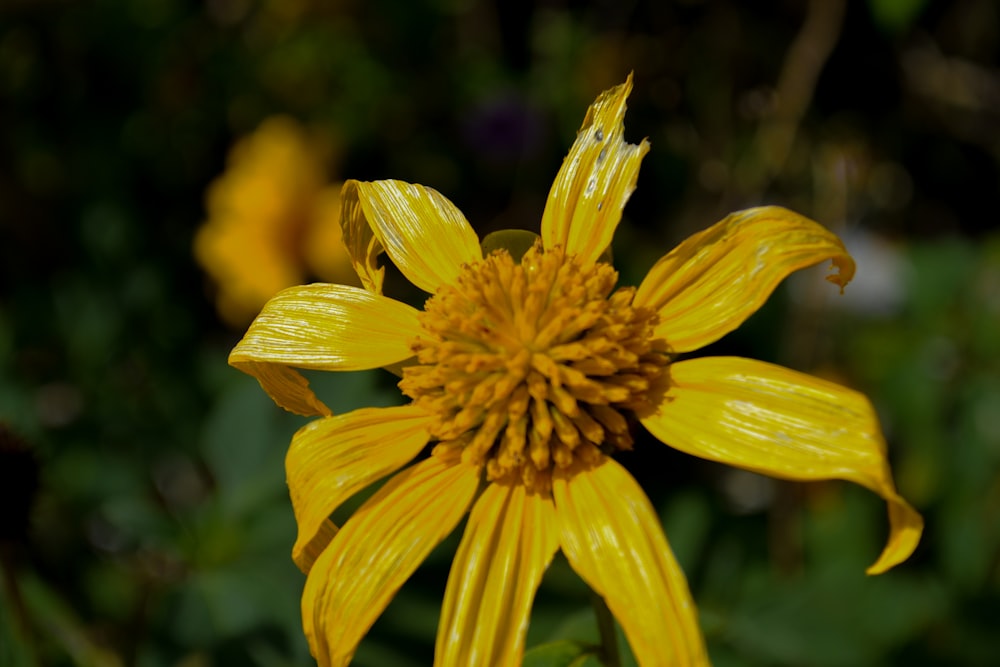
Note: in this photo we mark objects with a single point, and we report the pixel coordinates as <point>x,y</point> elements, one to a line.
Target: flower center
<point>528,367</point>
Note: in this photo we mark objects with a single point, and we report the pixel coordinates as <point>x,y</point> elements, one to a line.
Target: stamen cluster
<point>529,366</point>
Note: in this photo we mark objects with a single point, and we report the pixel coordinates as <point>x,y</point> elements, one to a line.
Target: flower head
<point>524,371</point>
<point>272,220</point>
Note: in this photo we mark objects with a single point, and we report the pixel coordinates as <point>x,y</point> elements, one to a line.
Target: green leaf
<point>515,241</point>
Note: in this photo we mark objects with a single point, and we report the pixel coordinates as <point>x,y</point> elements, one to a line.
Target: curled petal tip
<point>905,528</point>
<point>845,268</point>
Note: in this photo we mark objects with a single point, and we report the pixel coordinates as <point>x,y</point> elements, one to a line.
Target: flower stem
<point>610,656</point>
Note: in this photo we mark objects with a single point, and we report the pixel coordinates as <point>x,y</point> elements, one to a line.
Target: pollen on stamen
<point>529,366</point>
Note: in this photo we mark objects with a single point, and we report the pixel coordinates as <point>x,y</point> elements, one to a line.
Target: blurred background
<point>166,165</point>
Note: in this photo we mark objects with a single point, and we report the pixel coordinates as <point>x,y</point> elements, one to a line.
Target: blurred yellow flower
<point>523,373</point>
<point>272,220</point>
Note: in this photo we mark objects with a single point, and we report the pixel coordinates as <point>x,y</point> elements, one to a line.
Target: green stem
<point>610,656</point>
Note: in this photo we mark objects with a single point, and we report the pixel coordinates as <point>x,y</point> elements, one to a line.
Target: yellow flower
<point>272,220</point>
<point>523,375</point>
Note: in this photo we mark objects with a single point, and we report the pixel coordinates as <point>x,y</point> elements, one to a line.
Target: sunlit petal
<point>426,235</point>
<point>596,179</point>
<point>361,242</point>
<point>332,459</point>
<point>327,327</point>
<point>709,284</point>
<point>613,539</point>
<point>377,550</point>
<point>779,422</point>
<point>510,539</point>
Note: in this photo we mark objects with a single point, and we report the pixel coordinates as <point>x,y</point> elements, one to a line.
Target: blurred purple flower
<point>504,128</point>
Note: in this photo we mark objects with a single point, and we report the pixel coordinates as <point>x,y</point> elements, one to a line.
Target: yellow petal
<point>311,550</point>
<point>509,540</point>
<point>426,235</point>
<point>359,239</point>
<point>377,550</point>
<point>779,422</point>
<point>332,459</point>
<point>285,386</point>
<point>709,284</point>
<point>613,539</point>
<point>596,179</point>
<point>327,327</point>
